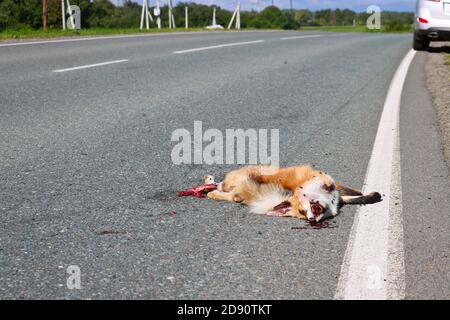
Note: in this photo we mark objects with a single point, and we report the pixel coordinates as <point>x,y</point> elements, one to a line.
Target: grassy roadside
<point>54,33</point>
<point>447,60</point>
<point>362,28</point>
<point>437,71</point>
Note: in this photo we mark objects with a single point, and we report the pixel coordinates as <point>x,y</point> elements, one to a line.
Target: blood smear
<point>316,226</point>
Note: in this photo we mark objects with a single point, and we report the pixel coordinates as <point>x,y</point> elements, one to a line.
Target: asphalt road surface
<point>87,178</point>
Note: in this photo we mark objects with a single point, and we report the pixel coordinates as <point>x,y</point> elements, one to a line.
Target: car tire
<point>420,44</point>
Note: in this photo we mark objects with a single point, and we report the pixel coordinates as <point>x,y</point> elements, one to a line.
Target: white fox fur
<point>268,197</point>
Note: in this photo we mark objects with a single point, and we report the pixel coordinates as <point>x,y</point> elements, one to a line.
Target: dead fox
<point>301,192</point>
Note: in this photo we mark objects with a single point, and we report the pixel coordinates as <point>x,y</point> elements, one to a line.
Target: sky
<point>356,5</point>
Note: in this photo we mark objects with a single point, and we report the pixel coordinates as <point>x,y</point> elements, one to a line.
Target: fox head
<point>319,199</point>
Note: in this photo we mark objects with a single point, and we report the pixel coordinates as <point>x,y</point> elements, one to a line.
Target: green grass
<point>52,33</point>
<point>447,60</point>
<point>392,28</point>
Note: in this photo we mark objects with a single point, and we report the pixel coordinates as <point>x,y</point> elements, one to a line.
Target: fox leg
<point>227,196</point>
<point>369,198</point>
<point>220,195</point>
<point>292,213</point>
<point>295,214</point>
<point>346,191</point>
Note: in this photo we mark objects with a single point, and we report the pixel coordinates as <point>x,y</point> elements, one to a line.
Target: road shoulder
<point>438,84</point>
<point>425,185</point>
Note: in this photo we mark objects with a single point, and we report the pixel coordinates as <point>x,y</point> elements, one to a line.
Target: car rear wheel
<point>420,44</point>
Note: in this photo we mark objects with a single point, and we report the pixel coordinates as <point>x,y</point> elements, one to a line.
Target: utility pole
<point>147,22</point>
<point>158,11</point>
<point>44,15</point>
<point>145,14</point>
<point>237,15</point>
<point>170,13</point>
<point>72,20</point>
<point>186,18</point>
<point>171,17</point>
<point>291,12</point>
<point>63,15</point>
<point>238,18</point>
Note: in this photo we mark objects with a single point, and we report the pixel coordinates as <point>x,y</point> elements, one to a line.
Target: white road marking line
<point>219,46</point>
<point>396,260</point>
<point>91,65</point>
<point>373,266</point>
<point>301,37</point>
<point>92,38</point>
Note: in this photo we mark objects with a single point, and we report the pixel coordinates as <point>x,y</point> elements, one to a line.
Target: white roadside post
<point>186,19</point>
<point>63,15</point>
<point>144,2</point>
<point>214,17</point>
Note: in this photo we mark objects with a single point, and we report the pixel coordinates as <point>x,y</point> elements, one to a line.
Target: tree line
<point>17,14</point>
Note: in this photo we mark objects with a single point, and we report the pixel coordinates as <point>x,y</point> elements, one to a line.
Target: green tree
<point>303,17</point>
<point>273,16</point>
<point>20,14</point>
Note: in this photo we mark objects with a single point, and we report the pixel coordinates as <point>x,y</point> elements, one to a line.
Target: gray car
<point>431,23</point>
